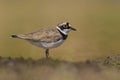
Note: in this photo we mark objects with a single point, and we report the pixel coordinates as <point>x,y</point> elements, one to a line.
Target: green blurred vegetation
<point>97,23</point>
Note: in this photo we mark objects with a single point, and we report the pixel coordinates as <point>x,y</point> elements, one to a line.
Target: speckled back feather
<point>43,35</point>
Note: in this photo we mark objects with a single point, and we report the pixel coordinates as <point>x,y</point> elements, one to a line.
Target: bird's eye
<point>65,26</point>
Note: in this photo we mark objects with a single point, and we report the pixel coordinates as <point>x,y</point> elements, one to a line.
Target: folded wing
<point>43,35</point>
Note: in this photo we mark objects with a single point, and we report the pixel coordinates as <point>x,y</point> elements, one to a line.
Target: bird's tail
<point>21,36</point>
<point>14,36</point>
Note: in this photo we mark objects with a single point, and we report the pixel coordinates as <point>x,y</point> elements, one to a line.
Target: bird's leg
<point>47,53</point>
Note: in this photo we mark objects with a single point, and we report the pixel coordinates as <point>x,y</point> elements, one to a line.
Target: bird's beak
<point>73,29</point>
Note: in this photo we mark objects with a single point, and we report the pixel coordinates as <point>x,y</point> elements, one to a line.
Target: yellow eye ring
<point>65,26</point>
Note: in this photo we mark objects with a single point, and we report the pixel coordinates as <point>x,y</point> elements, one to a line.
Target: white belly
<point>47,45</point>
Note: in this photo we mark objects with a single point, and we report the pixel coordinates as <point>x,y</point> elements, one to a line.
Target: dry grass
<point>50,69</point>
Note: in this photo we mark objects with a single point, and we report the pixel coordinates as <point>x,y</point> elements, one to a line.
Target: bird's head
<point>65,28</point>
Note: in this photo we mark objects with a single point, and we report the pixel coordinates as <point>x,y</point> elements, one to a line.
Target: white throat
<point>65,32</point>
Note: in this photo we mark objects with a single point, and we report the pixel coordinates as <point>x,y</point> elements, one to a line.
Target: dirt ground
<point>50,69</point>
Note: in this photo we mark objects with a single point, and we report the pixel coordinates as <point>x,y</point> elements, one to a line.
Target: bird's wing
<point>44,35</point>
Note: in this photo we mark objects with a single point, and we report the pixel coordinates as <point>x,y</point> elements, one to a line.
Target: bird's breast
<point>47,45</point>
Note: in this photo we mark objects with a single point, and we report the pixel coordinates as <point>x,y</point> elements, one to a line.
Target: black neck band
<point>63,35</point>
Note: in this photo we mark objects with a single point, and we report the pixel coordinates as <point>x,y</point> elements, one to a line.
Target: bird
<point>47,38</point>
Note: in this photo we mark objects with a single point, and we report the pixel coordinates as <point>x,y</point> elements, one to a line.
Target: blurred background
<point>97,23</point>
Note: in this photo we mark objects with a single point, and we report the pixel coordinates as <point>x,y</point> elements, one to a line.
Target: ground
<point>51,69</point>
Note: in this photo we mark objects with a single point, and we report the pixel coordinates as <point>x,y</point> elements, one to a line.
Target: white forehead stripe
<point>69,25</point>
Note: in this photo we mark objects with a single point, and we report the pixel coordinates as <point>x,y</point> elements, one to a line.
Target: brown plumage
<point>42,35</point>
